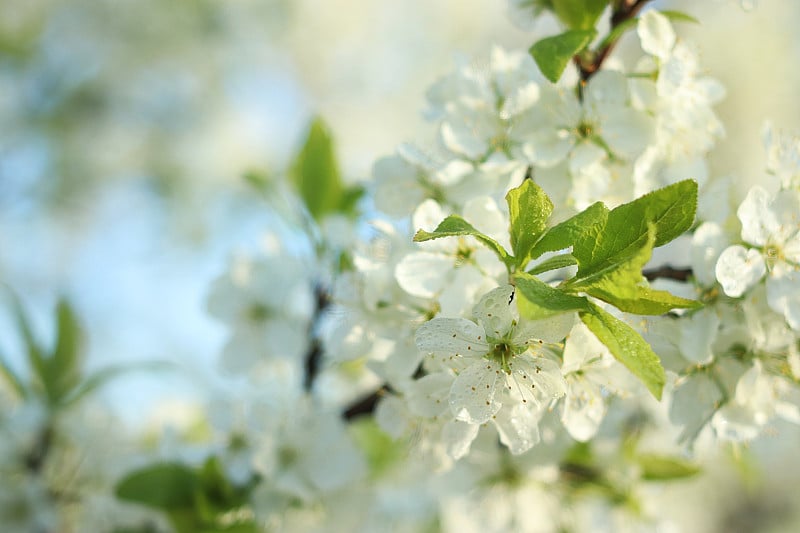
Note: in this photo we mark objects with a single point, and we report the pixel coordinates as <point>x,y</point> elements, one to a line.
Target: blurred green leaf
<point>380,449</point>
<point>679,16</point>
<point>66,363</point>
<point>665,468</point>
<point>315,172</point>
<point>579,14</point>
<point>553,54</point>
<point>165,486</point>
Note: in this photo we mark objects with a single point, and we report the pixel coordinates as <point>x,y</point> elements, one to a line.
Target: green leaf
<point>627,346</point>
<point>553,263</point>
<point>665,468</point>
<point>554,53</point>
<point>165,486</point>
<point>34,353</point>
<point>537,300</point>
<point>258,179</point>
<point>349,200</point>
<point>66,363</point>
<point>528,208</point>
<point>646,301</point>
<point>671,209</point>
<point>679,16</point>
<point>315,172</point>
<point>57,373</point>
<point>564,234</point>
<point>579,14</point>
<point>625,287</point>
<point>380,449</point>
<point>456,226</point>
<point>604,247</point>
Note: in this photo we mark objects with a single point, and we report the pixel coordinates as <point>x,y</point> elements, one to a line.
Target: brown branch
<point>364,406</point>
<point>666,272</point>
<point>622,12</point>
<point>313,358</point>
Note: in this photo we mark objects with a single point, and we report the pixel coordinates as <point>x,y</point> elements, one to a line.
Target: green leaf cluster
<point>609,247</point>
<point>57,375</point>
<point>198,499</point>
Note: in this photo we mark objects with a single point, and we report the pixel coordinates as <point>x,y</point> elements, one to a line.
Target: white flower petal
<point>428,396</point>
<point>472,395</point>
<point>783,295</point>
<point>396,189</point>
<point>698,333</point>
<point>739,268</point>
<point>518,427</point>
<point>392,416</point>
<point>708,242</point>
<point>537,379</point>
<point>455,336</point>
<point>552,329</point>
<point>462,140</point>
<point>453,172</point>
<point>584,409</point>
<point>428,215</point>
<point>627,131</point>
<point>457,437</point>
<point>656,34</point>
<point>584,154</point>
<point>483,213</point>
<point>758,219</point>
<point>607,86</point>
<point>461,291</point>
<point>581,347</point>
<point>519,100</point>
<point>423,274</point>
<point>495,312</point>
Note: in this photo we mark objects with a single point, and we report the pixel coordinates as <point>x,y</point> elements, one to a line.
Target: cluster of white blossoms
<point>417,376</point>
<point>737,359</point>
<point>436,329</point>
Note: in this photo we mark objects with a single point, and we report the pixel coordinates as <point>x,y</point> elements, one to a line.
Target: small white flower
<point>499,366</point>
<point>656,34</point>
<point>590,372</point>
<point>771,228</point>
<point>453,270</point>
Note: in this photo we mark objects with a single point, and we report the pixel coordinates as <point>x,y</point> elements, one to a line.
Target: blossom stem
<point>623,11</point>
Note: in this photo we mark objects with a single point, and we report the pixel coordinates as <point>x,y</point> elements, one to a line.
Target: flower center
<point>258,313</point>
<point>502,352</point>
<point>585,130</point>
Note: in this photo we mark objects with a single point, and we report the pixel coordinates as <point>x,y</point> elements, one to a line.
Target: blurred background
<point>126,127</point>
